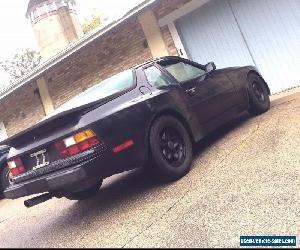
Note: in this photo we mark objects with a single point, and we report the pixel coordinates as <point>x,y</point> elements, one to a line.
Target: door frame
<point>170,19</point>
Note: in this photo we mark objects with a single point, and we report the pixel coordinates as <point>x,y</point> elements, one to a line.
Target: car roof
<point>157,60</point>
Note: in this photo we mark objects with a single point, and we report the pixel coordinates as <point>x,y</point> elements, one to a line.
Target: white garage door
<point>272,31</point>
<point>210,33</point>
<point>239,32</point>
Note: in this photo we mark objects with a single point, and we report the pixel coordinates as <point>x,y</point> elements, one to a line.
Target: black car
<point>4,171</point>
<point>150,116</point>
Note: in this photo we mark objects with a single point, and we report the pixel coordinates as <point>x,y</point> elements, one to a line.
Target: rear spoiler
<point>64,118</point>
<point>40,128</point>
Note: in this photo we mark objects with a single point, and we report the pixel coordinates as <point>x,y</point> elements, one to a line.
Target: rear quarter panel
<point>130,118</point>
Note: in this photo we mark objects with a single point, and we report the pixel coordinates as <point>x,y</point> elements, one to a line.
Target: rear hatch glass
<point>111,86</point>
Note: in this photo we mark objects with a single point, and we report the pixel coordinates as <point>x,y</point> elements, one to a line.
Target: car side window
<point>183,72</point>
<point>157,78</point>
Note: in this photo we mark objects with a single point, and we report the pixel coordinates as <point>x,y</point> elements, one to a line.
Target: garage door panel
<point>265,33</point>
<point>210,33</point>
<point>271,29</point>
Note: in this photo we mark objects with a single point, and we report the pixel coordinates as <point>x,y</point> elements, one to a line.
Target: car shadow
<point>135,184</point>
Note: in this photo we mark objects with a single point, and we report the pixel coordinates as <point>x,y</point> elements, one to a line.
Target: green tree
<point>21,64</point>
<point>91,24</point>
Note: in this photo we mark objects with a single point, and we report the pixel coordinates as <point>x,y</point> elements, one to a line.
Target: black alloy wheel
<point>172,146</point>
<point>259,100</point>
<point>171,152</point>
<point>258,91</point>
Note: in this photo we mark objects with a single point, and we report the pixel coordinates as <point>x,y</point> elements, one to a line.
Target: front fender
<point>252,69</point>
<point>238,77</point>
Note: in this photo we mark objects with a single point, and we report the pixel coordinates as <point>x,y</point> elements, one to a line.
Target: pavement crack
<point>160,218</point>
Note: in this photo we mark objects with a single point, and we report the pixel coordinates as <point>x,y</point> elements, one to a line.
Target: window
<point>156,78</point>
<point>183,72</point>
<point>71,5</point>
<point>116,84</point>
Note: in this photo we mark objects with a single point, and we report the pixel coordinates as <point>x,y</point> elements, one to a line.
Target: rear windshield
<point>113,85</point>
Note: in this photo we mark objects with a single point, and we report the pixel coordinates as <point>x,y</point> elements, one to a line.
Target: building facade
<point>224,31</point>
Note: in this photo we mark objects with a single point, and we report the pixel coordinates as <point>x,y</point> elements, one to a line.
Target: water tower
<point>55,24</point>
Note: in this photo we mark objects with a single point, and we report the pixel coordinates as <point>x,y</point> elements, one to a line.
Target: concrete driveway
<point>245,181</point>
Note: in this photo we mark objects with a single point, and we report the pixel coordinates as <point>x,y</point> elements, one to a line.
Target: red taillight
<point>16,167</point>
<point>89,143</point>
<point>14,172</point>
<point>73,150</point>
<point>93,142</point>
<point>77,143</point>
<point>84,145</point>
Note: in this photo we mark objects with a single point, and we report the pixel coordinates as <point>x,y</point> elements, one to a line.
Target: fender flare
<point>175,114</point>
<point>253,70</point>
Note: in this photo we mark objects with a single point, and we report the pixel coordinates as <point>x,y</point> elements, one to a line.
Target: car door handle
<point>191,91</point>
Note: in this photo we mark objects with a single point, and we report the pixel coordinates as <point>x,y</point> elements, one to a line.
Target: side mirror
<point>210,67</point>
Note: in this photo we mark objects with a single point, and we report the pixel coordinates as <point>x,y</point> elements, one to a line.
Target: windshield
<point>184,72</point>
<point>113,85</point>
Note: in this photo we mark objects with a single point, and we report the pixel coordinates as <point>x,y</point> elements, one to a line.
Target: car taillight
<point>77,143</point>
<point>16,167</point>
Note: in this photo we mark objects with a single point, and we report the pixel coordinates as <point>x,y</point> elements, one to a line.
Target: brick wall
<point>119,50</point>
<point>21,109</point>
<point>169,41</point>
<point>163,8</point>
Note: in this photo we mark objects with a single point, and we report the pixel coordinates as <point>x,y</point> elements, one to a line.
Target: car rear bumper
<point>62,163</point>
<point>99,163</point>
<point>54,181</point>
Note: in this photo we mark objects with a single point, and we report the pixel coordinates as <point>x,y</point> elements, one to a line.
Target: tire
<point>4,180</point>
<point>171,152</point>
<point>258,95</point>
<point>84,194</point>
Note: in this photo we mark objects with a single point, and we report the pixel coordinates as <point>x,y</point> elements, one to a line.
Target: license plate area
<point>40,159</point>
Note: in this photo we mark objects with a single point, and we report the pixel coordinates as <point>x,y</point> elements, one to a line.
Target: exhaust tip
<point>27,204</point>
<point>38,200</point>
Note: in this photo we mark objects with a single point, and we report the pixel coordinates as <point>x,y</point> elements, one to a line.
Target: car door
<point>210,94</point>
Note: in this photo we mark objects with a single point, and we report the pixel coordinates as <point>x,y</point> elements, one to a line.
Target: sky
<point>16,33</point>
